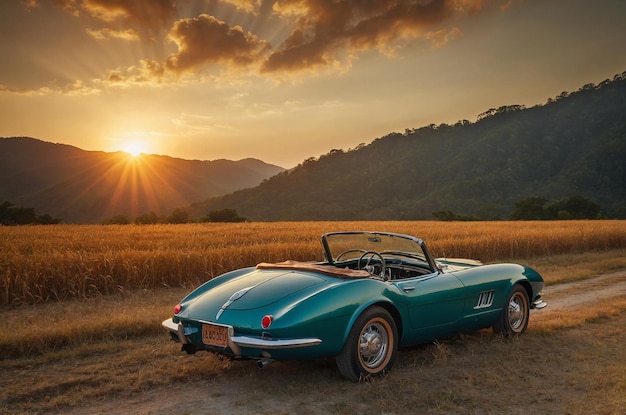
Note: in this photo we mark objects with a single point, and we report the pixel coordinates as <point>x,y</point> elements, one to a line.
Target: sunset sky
<point>286,80</point>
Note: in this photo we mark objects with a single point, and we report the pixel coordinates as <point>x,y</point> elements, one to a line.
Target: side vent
<point>485,299</point>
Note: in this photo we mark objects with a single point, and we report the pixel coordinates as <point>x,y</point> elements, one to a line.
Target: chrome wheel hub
<point>373,345</point>
<point>516,312</point>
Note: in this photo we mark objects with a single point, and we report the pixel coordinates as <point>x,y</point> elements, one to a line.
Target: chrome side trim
<point>245,341</point>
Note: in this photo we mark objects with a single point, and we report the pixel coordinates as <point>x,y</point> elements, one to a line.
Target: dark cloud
<point>326,28</point>
<point>205,40</point>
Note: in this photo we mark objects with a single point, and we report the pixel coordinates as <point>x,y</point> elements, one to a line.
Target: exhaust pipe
<point>263,363</point>
<point>189,348</point>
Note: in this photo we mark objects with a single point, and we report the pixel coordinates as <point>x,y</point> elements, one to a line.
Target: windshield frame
<point>391,244</point>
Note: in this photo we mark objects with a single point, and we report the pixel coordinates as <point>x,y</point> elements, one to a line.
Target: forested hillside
<point>79,186</point>
<point>572,146</point>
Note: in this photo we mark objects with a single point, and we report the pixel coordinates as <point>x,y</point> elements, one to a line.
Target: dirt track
<point>227,393</point>
<point>584,292</point>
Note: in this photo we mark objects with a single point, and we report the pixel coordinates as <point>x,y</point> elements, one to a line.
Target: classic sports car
<point>375,292</point>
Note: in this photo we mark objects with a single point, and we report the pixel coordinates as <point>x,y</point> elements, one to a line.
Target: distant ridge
<point>81,186</point>
<point>572,146</point>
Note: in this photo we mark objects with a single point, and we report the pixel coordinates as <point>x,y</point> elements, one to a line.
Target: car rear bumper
<point>177,331</point>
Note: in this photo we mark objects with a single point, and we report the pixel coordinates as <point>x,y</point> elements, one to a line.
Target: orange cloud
<point>206,40</point>
<point>147,72</point>
<point>440,38</point>
<point>145,17</point>
<point>325,29</point>
<point>104,34</point>
<point>323,33</point>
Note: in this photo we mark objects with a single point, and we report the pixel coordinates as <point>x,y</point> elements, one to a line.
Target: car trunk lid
<point>257,289</point>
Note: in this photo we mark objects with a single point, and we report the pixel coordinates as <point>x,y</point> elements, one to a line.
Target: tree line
<point>539,208</point>
<point>178,216</point>
<point>11,215</point>
<point>530,208</point>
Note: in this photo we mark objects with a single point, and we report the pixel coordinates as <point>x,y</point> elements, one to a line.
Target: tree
<point>530,208</point>
<point>46,219</point>
<point>179,215</point>
<point>223,215</point>
<point>449,216</point>
<point>117,220</point>
<point>575,207</point>
<point>147,219</point>
<point>17,215</point>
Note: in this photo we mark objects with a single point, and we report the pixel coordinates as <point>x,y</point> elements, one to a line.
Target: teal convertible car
<point>376,292</point>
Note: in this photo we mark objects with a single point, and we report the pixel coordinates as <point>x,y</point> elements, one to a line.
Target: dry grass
<point>50,263</point>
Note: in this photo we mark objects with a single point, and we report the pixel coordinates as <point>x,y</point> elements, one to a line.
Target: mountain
<point>81,186</point>
<point>572,146</point>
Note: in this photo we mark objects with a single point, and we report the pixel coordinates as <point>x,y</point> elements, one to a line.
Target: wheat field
<point>50,263</point>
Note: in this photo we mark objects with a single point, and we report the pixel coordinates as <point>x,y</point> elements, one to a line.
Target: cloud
<point>76,88</point>
<point>147,18</point>
<point>104,34</point>
<point>326,29</point>
<point>147,72</point>
<point>322,34</point>
<point>207,40</point>
<point>440,38</point>
<point>250,6</point>
<point>29,4</point>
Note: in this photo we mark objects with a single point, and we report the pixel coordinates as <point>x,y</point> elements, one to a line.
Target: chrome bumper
<point>175,329</point>
<point>244,341</point>
<point>235,342</point>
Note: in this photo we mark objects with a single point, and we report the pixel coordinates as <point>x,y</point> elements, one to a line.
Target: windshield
<point>342,246</point>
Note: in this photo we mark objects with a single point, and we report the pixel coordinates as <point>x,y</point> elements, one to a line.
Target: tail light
<point>266,321</point>
<point>177,309</point>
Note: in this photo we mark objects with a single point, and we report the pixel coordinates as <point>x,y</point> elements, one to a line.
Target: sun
<point>134,149</point>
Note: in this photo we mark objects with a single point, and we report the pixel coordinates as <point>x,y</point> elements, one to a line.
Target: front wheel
<point>371,346</point>
<point>514,317</point>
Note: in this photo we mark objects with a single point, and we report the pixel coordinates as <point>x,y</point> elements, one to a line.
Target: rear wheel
<point>371,346</point>
<point>514,317</point>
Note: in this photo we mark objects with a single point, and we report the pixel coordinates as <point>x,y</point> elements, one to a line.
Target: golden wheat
<point>44,263</point>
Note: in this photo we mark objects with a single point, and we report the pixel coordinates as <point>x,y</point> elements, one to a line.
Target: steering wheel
<point>348,252</point>
<point>372,268</point>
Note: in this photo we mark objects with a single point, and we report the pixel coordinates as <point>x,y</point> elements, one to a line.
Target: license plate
<point>213,335</point>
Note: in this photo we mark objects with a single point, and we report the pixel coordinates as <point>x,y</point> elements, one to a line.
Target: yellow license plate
<point>213,335</point>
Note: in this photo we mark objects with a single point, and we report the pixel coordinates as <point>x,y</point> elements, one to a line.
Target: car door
<point>434,303</point>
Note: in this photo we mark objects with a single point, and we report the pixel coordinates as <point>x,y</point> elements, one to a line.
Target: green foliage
<point>575,144</point>
<point>117,220</point>
<point>449,216</point>
<point>575,207</point>
<point>148,219</point>
<point>537,208</point>
<point>17,215</point>
<point>179,215</point>
<point>223,215</point>
<point>530,208</point>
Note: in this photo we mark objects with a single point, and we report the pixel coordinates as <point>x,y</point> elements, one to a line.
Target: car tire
<point>514,317</point>
<point>370,349</point>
